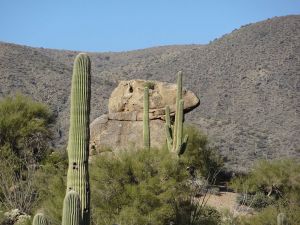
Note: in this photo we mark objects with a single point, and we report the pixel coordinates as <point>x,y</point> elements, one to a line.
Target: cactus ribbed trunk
<point>168,128</point>
<point>146,122</point>
<point>40,219</point>
<point>179,116</point>
<point>178,98</point>
<point>78,144</point>
<point>71,211</point>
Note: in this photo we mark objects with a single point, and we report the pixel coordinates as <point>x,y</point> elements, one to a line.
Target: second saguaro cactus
<point>40,219</point>
<point>71,211</point>
<point>174,132</point>
<point>78,144</point>
<point>146,122</point>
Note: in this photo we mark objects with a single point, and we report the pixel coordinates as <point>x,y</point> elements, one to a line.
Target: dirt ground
<point>227,201</point>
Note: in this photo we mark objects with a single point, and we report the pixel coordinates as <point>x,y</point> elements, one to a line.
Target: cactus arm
<point>40,219</point>
<point>183,146</point>
<point>168,118</point>
<point>169,137</point>
<point>168,128</point>
<point>146,123</point>
<point>71,210</point>
<point>78,144</point>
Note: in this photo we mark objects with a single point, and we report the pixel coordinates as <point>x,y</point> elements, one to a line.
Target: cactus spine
<point>146,123</point>
<point>174,133</point>
<point>78,144</point>
<point>71,211</point>
<point>40,219</point>
<point>281,219</point>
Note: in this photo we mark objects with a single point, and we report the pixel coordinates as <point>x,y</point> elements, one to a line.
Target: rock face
<point>126,101</point>
<point>118,135</point>
<point>122,127</point>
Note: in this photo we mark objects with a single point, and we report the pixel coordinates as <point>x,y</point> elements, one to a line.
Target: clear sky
<point>120,25</point>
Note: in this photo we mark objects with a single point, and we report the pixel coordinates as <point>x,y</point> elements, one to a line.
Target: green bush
<point>257,201</point>
<point>50,182</point>
<point>144,187</point>
<point>136,188</point>
<point>25,127</point>
<point>279,178</point>
<point>268,216</point>
<point>272,187</point>
<point>206,160</point>
<point>132,187</point>
<point>2,217</point>
<point>24,136</point>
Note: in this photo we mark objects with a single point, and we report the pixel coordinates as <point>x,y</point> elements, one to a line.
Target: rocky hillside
<point>248,82</point>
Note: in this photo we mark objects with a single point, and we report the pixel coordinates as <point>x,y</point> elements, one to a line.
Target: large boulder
<point>122,127</point>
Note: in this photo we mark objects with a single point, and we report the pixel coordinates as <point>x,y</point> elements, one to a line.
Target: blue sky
<point>121,25</point>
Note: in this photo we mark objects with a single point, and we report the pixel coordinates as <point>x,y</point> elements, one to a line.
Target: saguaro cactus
<point>71,211</point>
<point>78,144</point>
<point>146,122</point>
<point>174,133</point>
<point>40,219</point>
<point>281,219</point>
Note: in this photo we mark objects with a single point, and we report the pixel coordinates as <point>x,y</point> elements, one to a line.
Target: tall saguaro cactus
<point>146,122</point>
<point>78,144</point>
<point>71,211</point>
<point>174,133</point>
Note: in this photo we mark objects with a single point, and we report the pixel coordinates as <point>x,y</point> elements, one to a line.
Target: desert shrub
<point>192,214</point>
<point>199,154</point>
<point>135,188</point>
<point>144,187</point>
<point>257,201</point>
<point>25,127</point>
<point>228,217</point>
<point>271,187</point>
<point>279,178</point>
<point>50,182</point>
<point>24,135</point>
<point>268,216</point>
<point>131,187</point>
<point>17,190</point>
<point>2,217</point>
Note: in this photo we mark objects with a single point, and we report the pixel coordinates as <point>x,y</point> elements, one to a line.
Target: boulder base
<point>117,135</point>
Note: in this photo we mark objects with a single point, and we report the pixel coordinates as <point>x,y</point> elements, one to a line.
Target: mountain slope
<point>248,83</point>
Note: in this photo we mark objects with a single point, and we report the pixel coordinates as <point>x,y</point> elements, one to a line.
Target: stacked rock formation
<point>122,127</point>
